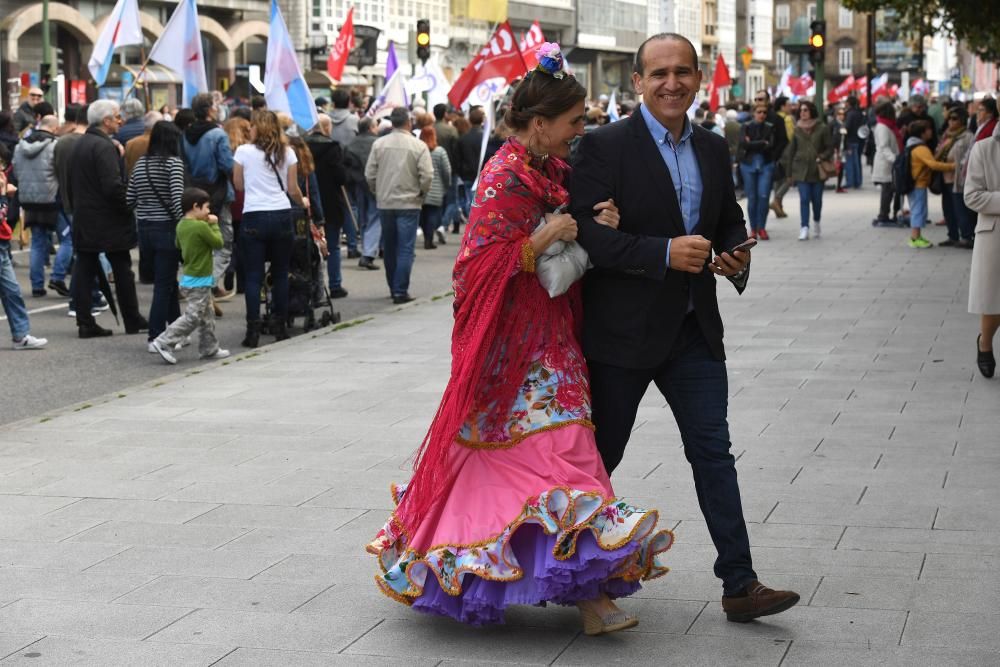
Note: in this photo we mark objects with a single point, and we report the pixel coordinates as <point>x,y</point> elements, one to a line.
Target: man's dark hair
<point>201,105</point>
<point>990,105</point>
<point>43,109</point>
<point>183,118</point>
<point>241,112</point>
<point>439,111</point>
<point>193,197</point>
<point>638,66</point>
<point>779,102</point>
<point>257,102</point>
<point>853,102</point>
<point>399,117</point>
<point>6,121</point>
<point>81,117</point>
<point>365,125</point>
<point>341,98</point>
<point>477,115</point>
<point>164,140</point>
<point>71,113</point>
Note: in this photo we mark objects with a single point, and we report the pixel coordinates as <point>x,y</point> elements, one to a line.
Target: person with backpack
<point>888,144</point>
<point>208,158</point>
<point>921,163</point>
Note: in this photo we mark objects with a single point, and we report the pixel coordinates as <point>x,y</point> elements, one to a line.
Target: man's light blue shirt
<point>683,167</point>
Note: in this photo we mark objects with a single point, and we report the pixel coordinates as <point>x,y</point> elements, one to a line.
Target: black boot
<point>252,338</point>
<point>279,329</point>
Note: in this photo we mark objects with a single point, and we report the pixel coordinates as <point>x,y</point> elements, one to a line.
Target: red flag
<point>841,91</point>
<point>720,79</point>
<point>341,48</point>
<point>530,41</point>
<point>499,57</point>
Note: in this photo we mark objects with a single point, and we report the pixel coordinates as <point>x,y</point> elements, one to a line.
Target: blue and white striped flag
<point>284,86</point>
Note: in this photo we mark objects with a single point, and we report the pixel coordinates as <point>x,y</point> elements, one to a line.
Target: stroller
<point>308,296</point>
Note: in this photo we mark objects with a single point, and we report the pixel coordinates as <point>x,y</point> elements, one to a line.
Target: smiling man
<point>650,309</point>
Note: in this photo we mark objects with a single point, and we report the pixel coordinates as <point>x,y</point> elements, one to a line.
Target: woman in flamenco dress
<point>509,503</point>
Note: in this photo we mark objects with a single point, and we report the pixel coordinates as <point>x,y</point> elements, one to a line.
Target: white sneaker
<point>29,342</point>
<point>803,233</point>
<point>816,229</point>
<point>164,353</point>
<point>95,311</point>
<point>151,348</point>
<point>177,347</point>
<point>219,354</point>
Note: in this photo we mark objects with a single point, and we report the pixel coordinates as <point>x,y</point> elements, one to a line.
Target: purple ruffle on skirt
<point>583,576</point>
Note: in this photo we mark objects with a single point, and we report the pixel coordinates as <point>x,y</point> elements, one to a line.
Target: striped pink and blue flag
<point>284,86</point>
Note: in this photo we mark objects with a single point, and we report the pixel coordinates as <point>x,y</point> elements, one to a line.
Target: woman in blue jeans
<point>757,167</point>
<point>266,171</point>
<point>810,145</point>
<point>155,187</point>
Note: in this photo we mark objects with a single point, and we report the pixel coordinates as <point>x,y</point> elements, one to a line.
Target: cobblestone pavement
<point>219,516</point>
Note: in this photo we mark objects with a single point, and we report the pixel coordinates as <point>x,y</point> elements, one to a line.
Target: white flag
<point>121,29</point>
<point>179,49</point>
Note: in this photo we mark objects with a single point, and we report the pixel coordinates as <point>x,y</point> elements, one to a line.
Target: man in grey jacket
<point>38,192</point>
<point>399,172</point>
<point>345,128</point>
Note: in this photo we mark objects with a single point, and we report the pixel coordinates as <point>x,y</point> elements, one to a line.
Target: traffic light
<point>423,39</point>
<point>817,41</point>
<point>45,77</point>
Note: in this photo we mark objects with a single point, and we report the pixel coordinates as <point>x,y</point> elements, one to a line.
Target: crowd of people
<point>111,178</point>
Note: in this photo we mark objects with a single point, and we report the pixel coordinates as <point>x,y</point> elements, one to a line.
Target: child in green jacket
<point>197,236</point>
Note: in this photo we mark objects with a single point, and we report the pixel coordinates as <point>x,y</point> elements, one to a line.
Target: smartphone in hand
<point>746,245</point>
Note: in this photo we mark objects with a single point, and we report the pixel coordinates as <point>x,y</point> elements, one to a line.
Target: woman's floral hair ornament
<point>550,60</point>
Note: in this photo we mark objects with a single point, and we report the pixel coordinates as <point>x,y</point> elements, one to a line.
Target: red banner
<point>720,79</point>
<point>530,41</point>
<point>341,48</point>
<point>842,91</point>
<point>499,57</point>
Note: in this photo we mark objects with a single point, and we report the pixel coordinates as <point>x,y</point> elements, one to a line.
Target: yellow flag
<point>492,11</point>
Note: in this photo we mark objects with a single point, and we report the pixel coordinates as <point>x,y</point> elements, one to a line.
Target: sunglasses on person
<point>953,118</point>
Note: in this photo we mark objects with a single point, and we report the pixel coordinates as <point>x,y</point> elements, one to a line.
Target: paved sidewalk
<point>221,515</point>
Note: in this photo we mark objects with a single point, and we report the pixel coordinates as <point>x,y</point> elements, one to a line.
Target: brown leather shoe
<point>759,601</point>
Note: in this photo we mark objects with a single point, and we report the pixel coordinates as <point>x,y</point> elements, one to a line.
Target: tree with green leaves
<point>978,30</point>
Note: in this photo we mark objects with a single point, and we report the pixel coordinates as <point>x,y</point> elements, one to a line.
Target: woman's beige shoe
<point>595,624</point>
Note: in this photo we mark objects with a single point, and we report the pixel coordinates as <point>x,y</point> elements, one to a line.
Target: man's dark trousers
<point>695,385</point>
<point>85,271</point>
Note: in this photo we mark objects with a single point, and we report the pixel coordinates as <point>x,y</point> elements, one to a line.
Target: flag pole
<point>145,88</point>
<point>142,70</point>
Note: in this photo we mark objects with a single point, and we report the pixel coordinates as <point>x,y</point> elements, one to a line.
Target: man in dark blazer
<point>650,309</point>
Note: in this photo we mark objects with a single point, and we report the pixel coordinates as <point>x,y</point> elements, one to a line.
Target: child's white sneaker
<point>29,342</point>
<point>164,352</point>
<point>219,354</point>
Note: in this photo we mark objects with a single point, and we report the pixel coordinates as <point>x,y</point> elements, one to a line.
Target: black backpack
<point>902,172</point>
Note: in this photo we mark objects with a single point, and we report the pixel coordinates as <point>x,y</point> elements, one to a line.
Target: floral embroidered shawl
<point>503,315</point>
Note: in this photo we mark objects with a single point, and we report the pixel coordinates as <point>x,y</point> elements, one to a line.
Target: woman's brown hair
<point>428,135</point>
<point>306,164</point>
<point>541,94</point>
<point>270,138</point>
<point>238,131</point>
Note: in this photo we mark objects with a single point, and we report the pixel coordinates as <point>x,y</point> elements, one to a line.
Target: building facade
<point>233,33</point>
<point>846,39</point>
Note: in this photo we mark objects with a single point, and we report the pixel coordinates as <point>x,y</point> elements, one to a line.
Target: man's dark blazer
<point>633,305</point>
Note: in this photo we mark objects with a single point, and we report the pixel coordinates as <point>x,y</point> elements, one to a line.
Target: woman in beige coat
<point>982,194</point>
